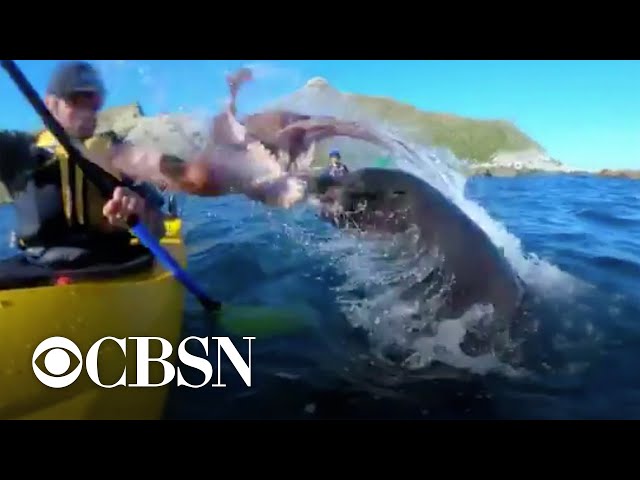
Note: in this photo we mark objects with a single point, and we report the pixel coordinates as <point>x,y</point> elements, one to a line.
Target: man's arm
<point>125,202</point>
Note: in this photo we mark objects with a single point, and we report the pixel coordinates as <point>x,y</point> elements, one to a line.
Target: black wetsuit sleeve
<point>18,157</point>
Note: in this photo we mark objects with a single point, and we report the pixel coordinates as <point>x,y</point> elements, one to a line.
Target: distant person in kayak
<point>61,217</point>
<point>336,167</point>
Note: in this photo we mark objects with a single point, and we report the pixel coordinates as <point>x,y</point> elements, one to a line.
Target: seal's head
<point>365,199</point>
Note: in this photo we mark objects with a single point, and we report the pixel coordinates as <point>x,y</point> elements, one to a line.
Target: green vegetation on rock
<point>469,139</point>
<point>476,141</point>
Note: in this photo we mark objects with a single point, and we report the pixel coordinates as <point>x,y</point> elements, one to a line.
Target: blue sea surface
<point>575,239</point>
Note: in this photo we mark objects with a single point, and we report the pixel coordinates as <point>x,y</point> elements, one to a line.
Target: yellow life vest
<point>81,199</point>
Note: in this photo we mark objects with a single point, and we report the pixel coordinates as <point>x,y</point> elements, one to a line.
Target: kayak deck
<point>145,303</point>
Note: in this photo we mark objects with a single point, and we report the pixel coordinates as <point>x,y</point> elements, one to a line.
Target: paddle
<point>242,320</point>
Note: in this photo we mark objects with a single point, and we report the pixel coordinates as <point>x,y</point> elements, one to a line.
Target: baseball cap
<point>75,77</point>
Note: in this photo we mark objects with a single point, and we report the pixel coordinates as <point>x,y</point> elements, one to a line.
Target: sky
<point>584,113</point>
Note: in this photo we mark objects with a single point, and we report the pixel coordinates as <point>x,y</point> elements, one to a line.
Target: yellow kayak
<point>146,303</point>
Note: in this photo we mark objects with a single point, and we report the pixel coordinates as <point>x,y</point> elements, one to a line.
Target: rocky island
<point>488,147</point>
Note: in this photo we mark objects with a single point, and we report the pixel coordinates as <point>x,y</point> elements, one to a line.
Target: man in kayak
<point>336,167</point>
<point>62,220</point>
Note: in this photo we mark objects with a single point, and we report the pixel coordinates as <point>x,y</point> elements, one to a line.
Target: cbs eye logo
<point>57,361</point>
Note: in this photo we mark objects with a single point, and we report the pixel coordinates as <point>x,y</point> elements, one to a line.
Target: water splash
<point>439,167</point>
<point>406,328</point>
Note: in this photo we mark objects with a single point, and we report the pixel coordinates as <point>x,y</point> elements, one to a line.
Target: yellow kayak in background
<point>148,302</point>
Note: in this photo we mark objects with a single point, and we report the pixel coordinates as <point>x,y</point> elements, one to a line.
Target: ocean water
<point>575,240</point>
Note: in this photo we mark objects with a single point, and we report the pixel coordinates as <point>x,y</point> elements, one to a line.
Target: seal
<point>470,266</point>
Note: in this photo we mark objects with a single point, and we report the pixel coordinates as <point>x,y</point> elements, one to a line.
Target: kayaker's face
<point>77,113</point>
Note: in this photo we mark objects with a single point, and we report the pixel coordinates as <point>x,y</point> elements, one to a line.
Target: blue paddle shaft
<point>105,182</point>
<point>148,240</point>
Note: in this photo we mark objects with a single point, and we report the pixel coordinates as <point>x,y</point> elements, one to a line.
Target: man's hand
<point>125,203</point>
<point>122,205</point>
